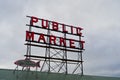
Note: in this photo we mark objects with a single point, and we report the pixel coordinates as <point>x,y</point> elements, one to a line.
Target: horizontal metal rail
<point>60,59</point>
<point>71,50</point>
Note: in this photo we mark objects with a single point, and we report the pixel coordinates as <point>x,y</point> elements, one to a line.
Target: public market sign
<point>63,36</point>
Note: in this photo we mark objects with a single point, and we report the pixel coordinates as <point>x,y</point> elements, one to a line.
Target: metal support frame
<point>55,58</point>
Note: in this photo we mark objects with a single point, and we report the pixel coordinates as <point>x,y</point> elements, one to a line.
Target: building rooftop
<point>8,74</point>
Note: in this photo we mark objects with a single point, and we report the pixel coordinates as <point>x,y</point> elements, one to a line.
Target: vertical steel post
<point>81,56</point>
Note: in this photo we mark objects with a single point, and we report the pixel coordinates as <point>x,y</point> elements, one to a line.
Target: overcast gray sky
<point>99,18</point>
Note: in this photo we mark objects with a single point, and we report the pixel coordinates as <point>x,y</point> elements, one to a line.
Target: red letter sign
<point>82,44</point>
<point>55,26</point>
<point>52,38</point>
<point>71,29</point>
<point>78,30</point>
<point>33,20</point>
<point>29,36</point>
<point>62,41</point>
<point>46,23</point>
<point>41,37</point>
<point>72,43</point>
<point>63,28</point>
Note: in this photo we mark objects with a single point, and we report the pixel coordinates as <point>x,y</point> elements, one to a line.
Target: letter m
<point>29,36</point>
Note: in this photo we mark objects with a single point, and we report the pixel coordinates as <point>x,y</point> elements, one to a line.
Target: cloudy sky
<point>99,18</point>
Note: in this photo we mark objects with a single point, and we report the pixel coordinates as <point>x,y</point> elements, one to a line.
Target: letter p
<point>33,20</point>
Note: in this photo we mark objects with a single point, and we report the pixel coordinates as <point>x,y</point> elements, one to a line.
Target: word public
<point>57,27</point>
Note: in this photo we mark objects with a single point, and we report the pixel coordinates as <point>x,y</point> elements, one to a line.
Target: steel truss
<point>55,58</point>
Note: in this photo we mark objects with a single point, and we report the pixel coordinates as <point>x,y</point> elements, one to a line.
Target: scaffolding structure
<point>56,58</point>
